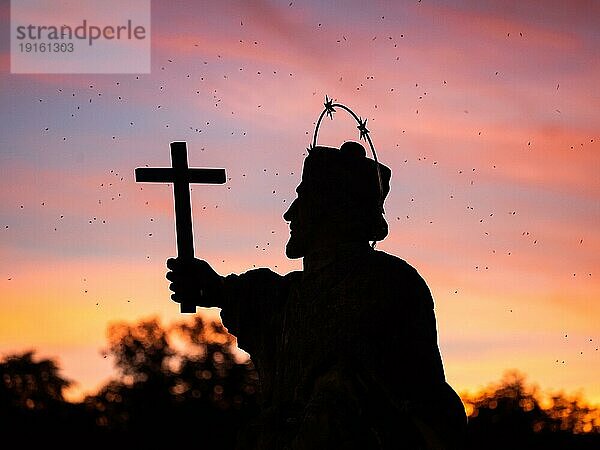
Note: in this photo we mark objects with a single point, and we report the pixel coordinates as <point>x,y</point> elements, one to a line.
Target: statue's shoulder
<point>392,263</point>
<point>293,277</point>
<point>396,271</point>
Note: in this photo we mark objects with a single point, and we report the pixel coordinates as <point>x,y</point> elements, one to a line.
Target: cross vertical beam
<point>183,208</point>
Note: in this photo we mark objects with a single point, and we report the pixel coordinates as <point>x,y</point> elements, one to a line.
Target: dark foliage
<point>185,384</point>
<point>32,406</point>
<point>197,392</point>
<point>511,415</point>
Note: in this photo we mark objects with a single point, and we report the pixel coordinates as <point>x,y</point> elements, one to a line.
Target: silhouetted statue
<point>346,349</point>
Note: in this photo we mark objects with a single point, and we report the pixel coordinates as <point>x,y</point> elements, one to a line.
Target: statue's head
<point>339,200</point>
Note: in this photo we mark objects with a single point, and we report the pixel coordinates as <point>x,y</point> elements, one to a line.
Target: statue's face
<point>299,217</point>
<point>316,223</point>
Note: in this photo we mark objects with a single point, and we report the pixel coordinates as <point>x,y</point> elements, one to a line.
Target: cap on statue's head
<point>345,181</point>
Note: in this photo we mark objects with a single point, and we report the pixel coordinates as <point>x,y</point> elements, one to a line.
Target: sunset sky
<point>487,112</point>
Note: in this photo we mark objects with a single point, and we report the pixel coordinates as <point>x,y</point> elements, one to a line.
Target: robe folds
<point>347,356</point>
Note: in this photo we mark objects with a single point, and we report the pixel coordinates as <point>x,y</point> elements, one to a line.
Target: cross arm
<point>169,175</point>
<point>210,176</point>
<point>154,175</point>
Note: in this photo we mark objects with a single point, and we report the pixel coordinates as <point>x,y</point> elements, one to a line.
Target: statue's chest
<point>323,320</point>
<point>318,326</point>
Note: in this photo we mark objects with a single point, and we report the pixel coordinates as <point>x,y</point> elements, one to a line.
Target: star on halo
<point>362,128</point>
<point>329,110</point>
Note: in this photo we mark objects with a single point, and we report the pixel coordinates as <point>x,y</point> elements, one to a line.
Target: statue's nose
<point>289,215</point>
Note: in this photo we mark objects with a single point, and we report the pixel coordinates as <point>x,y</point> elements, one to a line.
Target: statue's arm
<point>253,301</point>
<point>195,280</point>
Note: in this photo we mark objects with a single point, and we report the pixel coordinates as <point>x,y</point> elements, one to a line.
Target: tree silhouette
<point>30,385</point>
<point>187,383</point>
<point>31,399</point>
<point>511,415</point>
<point>175,380</point>
<point>568,414</point>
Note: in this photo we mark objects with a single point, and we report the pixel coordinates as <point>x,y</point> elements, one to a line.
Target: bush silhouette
<point>196,388</point>
<point>186,382</point>
<point>32,404</point>
<point>511,415</point>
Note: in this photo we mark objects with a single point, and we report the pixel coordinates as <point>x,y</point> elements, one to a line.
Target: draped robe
<point>347,356</point>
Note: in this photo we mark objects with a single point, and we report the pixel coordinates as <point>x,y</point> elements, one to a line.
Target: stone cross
<point>181,176</point>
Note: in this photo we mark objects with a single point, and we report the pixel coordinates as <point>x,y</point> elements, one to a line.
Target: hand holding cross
<point>181,176</point>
